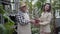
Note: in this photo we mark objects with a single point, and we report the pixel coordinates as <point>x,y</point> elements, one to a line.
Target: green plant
<point>2,29</point>
<point>6,27</point>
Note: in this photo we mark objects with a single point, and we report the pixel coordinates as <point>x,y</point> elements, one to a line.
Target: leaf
<point>2,29</point>
<point>8,18</point>
<point>1,11</point>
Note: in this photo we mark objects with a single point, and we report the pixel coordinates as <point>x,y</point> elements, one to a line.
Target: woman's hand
<point>37,20</point>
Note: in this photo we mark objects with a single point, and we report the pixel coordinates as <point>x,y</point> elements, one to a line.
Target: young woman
<point>45,19</point>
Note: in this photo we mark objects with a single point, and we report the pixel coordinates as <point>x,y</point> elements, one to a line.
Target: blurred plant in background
<point>6,28</point>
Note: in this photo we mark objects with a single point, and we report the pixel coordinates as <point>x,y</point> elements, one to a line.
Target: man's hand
<point>37,21</point>
<point>32,21</point>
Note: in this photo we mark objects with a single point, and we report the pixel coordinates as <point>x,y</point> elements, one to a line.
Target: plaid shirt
<point>22,18</point>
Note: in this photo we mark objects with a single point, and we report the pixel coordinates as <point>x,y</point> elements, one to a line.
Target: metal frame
<point>1,19</point>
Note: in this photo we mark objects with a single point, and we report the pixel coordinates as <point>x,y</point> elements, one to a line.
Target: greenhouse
<point>10,8</point>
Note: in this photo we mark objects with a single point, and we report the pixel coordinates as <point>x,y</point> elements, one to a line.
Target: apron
<point>26,29</point>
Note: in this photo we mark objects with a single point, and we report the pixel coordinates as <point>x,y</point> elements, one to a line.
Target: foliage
<point>6,27</point>
<point>55,6</point>
<point>2,29</point>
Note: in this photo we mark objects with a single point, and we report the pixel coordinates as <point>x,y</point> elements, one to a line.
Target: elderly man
<point>23,20</point>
